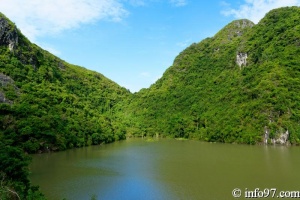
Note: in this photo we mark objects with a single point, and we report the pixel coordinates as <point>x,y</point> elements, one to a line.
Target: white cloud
<point>40,17</point>
<point>136,2</point>
<point>145,74</point>
<point>183,44</point>
<point>157,77</point>
<point>255,10</point>
<point>178,3</point>
<point>50,48</point>
<point>149,77</point>
<point>224,4</point>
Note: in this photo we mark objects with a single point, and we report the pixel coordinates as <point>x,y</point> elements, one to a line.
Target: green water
<point>165,169</point>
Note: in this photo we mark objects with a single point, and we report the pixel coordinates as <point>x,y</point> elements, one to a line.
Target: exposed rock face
<point>266,135</point>
<point>282,139</point>
<point>3,99</point>
<point>8,34</point>
<point>236,28</point>
<point>241,59</point>
<point>243,23</point>
<point>4,81</point>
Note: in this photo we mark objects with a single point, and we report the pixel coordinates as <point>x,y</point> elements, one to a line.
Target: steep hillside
<point>242,85</point>
<point>50,104</point>
<point>47,104</point>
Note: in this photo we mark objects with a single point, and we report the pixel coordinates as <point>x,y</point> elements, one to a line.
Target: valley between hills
<point>240,86</point>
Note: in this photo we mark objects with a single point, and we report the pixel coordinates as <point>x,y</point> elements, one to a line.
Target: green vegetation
<point>47,104</point>
<point>206,95</point>
<point>14,175</point>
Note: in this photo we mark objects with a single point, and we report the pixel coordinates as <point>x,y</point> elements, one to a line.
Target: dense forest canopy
<point>240,86</point>
<point>47,104</point>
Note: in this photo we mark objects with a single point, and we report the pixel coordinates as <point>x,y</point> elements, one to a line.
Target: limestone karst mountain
<point>240,86</point>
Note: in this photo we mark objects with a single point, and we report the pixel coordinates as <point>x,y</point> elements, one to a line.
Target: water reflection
<point>165,169</point>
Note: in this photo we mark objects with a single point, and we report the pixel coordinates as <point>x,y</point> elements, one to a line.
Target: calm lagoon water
<point>165,169</point>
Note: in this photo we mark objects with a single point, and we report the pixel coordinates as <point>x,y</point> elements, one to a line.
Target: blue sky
<point>132,42</point>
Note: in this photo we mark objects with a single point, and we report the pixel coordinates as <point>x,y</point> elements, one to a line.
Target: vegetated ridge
<point>47,104</point>
<point>240,86</point>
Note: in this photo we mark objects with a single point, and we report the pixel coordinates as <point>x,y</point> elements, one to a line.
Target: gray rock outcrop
<point>3,99</point>
<point>244,23</point>
<point>241,59</point>
<point>4,82</point>
<point>266,135</point>
<point>282,139</point>
<point>8,34</point>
